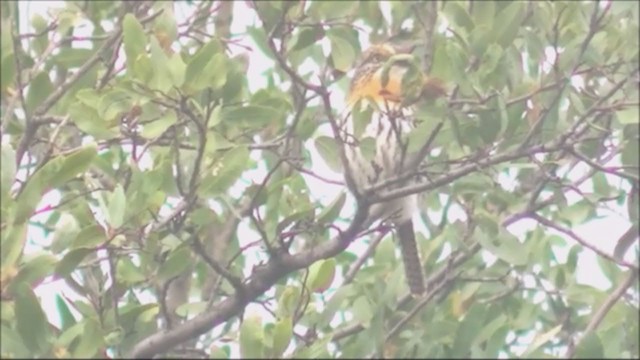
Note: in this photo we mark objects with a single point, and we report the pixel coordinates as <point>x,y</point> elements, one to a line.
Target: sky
<point>602,232</point>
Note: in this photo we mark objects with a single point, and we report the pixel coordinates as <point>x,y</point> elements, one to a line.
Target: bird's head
<point>388,74</point>
<point>376,55</point>
<point>368,82</point>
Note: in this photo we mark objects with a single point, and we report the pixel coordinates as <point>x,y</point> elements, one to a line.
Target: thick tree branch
<point>263,278</point>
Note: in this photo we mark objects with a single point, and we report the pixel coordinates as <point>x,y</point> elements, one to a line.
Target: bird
<point>379,83</point>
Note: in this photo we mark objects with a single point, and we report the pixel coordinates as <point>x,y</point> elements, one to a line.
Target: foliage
<point>158,178</point>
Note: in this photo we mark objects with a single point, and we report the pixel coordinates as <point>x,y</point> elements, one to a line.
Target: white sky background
<point>602,232</point>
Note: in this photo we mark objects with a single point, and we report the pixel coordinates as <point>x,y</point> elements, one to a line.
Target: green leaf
<point>321,275</point>
<point>418,136</point>
<point>510,248</point>
<point>90,236</point>
<point>609,269</point>
<point>70,334</point>
<point>577,213</point>
<point>117,206</point>
<point>142,69</point>
<point>630,115</point>
<point>114,337</point>
<point>128,273</point>
<point>633,202</point>
<point>74,164</point>
<point>32,192</point>
<point>157,127</point>
<point>367,147</point>
<point>134,39</point>
<point>572,258</point>
<point>215,117</point>
<point>542,339</point>
<point>177,69</point>
<point>468,331</point>
<point>87,120</point>
<point>508,28</point>
<point>67,319</point>
<point>191,308</point>
<point>362,312</point>
<point>216,352</point>
<point>282,334</point>
<point>491,60</point>
<point>198,63</point>
<point>14,238</point>
<point>113,104</point>
<point>91,340</point>
<point>332,9</point>
<point>252,338</point>
<point>490,329</point>
<point>233,89</point>
<point>71,261</point>
<point>306,37</point>
<point>170,242</point>
<point>35,270</point>
<point>484,13</point>
<point>226,171</point>
<point>216,72</point>
<point>332,211</point>
<point>259,37</point>
<point>506,247</point>
<point>132,313</point>
<point>39,43</point>
<point>288,302</point>
<point>343,53</point>
<point>335,304</point>
<point>177,262</point>
<point>72,57</point>
<point>39,89</point>
<point>31,321</point>
<point>296,216</point>
<point>474,184</point>
<point>8,174</point>
<point>328,149</point>
<point>7,71</point>
<point>89,97</point>
<point>361,116</point>
<point>6,38</point>
<point>459,15</point>
<point>165,26</point>
<point>12,344</point>
<point>317,350</point>
<point>629,157</point>
<point>253,115</point>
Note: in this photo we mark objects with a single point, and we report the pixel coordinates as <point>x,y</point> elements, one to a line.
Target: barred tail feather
<point>410,258</point>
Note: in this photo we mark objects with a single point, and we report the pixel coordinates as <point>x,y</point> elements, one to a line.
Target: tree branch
<point>263,278</point>
<point>603,310</point>
<point>574,236</point>
<point>355,267</point>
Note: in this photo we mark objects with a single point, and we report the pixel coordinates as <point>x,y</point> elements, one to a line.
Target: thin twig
<point>548,223</point>
<point>419,306</point>
<point>594,164</point>
<point>603,310</point>
<point>355,267</point>
<point>235,281</point>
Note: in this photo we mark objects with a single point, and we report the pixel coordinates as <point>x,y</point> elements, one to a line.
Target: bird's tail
<point>410,257</point>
